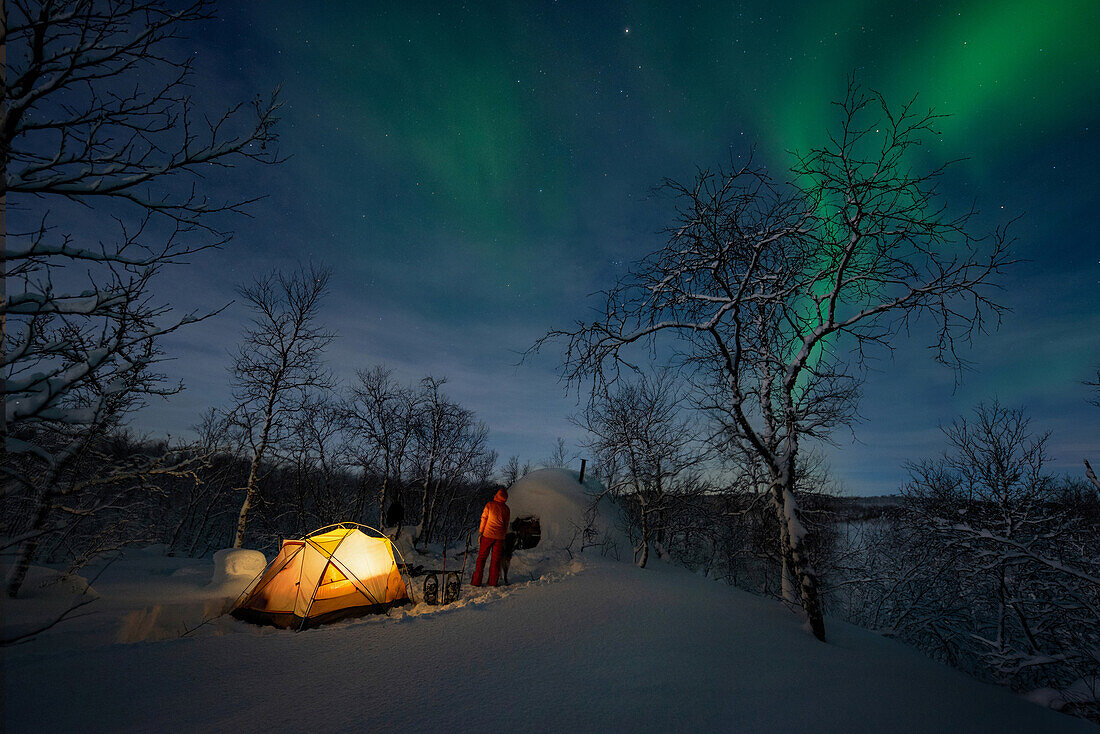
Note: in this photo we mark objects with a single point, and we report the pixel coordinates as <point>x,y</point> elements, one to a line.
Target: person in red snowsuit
<point>493,529</point>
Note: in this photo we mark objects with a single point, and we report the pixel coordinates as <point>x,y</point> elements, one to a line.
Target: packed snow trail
<point>609,648</point>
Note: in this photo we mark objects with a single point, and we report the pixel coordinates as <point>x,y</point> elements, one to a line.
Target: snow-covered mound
<point>48,583</point>
<point>180,613</point>
<point>236,567</point>
<point>570,515</point>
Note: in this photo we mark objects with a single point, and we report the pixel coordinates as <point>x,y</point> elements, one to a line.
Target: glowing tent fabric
<point>330,575</point>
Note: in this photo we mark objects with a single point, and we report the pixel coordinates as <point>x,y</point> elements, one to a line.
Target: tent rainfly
<point>337,572</point>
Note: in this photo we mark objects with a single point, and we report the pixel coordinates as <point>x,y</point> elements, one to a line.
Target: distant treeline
<point>193,508</point>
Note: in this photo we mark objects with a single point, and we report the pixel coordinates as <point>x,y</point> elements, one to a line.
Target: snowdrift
<point>189,605</point>
<point>50,584</point>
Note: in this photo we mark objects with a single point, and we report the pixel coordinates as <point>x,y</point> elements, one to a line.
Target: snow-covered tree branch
<point>773,294</point>
<point>104,145</point>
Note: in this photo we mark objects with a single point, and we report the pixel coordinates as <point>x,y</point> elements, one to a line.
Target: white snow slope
<point>591,646</point>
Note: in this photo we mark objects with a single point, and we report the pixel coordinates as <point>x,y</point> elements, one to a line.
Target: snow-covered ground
<point>595,645</point>
<point>585,644</point>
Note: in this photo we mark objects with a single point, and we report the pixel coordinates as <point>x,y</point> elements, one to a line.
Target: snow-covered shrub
<point>993,566</point>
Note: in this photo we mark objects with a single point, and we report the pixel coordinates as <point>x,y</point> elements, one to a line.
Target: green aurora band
<point>498,116</point>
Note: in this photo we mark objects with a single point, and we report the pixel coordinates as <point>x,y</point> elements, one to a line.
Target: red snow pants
<point>496,545</point>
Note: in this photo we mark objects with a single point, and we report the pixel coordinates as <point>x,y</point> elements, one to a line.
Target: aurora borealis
<point>473,171</point>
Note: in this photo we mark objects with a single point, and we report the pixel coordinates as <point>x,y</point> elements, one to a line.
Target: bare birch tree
<point>510,472</point>
<point>1019,551</point>
<point>561,457</point>
<point>465,462</point>
<point>774,292</point>
<point>381,416</point>
<point>638,430</point>
<point>102,149</point>
<point>440,428</point>
<point>277,366</point>
<point>318,454</point>
<point>420,446</point>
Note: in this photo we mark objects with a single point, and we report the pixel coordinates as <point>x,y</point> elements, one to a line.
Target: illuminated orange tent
<point>337,572</point>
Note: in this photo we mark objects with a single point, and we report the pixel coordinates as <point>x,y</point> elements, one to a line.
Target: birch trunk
<point>382,502</point>
<point>644,557</point>
<point>254,474</point>
<point>796,561</point>
<point>30,546</point>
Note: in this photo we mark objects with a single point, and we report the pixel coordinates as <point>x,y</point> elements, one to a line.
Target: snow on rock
<point>566,510</point>
<point>236,567</point>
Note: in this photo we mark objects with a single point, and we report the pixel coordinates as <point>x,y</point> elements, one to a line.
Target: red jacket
<point>494,518</point>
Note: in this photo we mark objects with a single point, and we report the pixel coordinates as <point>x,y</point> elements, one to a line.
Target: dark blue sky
<point>471,174</point>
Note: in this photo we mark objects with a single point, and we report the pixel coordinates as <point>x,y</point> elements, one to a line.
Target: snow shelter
<point>336,572</point>
<point>550,506</point>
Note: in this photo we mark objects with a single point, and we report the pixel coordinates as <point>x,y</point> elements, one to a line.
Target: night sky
<point>472,172</point>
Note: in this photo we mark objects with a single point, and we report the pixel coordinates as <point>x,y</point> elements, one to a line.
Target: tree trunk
<point>250,493</point>
<point>787,584</point>
<point>424,503</point>
<point>1091,475</point>
<point>795,557</point>
<point>242,517</point>
<point>30,546</point>
<point>382,502</point>
<point>192,501</point>
<point>644,557</point>
<point>427,520</point>
<point>400,492</point>
<point>200,532</point>
<point>254,469</point>
<point>300,493</point>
